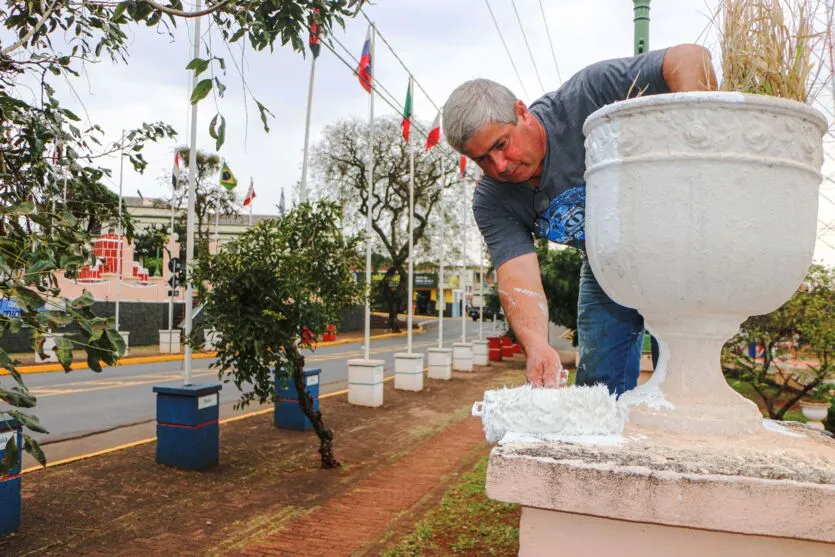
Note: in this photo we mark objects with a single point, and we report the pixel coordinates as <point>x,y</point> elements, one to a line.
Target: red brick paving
<point>357,519</point>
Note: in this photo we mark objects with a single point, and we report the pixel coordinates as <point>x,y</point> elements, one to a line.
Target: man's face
<point>508,152</point>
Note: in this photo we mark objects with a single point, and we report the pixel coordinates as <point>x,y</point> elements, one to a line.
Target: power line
<point>527,45</point>
<point>507,50</point>
<point>553,52</point>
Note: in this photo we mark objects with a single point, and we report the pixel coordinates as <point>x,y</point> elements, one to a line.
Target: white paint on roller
<point>571,411</point>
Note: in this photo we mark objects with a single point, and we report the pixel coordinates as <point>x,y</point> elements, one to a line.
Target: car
<point>488,314</point>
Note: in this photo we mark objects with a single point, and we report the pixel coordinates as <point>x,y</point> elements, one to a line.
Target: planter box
<point>188,436</point>
<point>480,353</point>
<point>288,414</point>
<point>10,484</point>
<point>169,341</point>
<point>365,382</point>
<point>462,356</point>
<point>440,363</point>
<point>408,372</point>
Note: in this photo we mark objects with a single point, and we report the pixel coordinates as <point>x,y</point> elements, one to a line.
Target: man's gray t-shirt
<point>505,212</point>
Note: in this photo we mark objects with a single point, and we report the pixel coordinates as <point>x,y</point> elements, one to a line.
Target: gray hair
<point>473,104</point>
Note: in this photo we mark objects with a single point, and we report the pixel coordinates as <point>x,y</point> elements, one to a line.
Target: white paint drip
<point>530,293</point>
<point>648,395</point>
<point>512,437</point>
<point>509,297</point>
<point>570,411</point>
<point>774,427</point>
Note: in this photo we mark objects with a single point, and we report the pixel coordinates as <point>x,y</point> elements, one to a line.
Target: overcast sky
<point>443,43</point>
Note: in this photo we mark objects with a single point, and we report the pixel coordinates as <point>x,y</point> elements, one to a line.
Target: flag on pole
<point>407,112</point>
<point>365,69</point>
<point>227,179</point>
<point>463,165</point>
<point>281,206</point>
<point>434,132</point>
<point>250,194</point>
<point>315,47</point>
<point>175,173</point>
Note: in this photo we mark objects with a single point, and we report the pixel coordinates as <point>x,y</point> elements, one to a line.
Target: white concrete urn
<point>701,210</point>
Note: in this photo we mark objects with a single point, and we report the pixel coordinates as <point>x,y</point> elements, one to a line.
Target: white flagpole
<point>464,271</point>
<point>192,190</point>
<point>303,186</point>
<point>119,251</point>
<point>481,292</point>
<point>217,217</point>
<point>441,299</point>
<point>411,237</point>
<point>368,229</point>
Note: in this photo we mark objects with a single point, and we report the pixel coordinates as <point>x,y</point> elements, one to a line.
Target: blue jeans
<point>611,338</point>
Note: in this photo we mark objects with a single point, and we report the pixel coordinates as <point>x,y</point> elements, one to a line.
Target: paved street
<point>84,402</point>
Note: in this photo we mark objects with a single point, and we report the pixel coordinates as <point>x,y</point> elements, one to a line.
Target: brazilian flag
<point>227,179</point>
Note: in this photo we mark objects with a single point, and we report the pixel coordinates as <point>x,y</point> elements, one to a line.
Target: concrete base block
<point>480,353</point>
<point>462,356</point>
<point>169,341</point>
<point>408,372</point>
<point>440,363</point>
<point>125,337</point>
<point>365,382</point>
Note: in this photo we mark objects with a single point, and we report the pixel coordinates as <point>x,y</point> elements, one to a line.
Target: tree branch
<point>181,13</point>
<point>8,50</point>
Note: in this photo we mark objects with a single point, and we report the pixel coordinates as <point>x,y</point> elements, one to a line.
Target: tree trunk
<point>325,434</point>
<point>394,325</point>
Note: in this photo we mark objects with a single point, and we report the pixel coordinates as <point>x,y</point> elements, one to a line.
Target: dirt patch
<point>126,504</point>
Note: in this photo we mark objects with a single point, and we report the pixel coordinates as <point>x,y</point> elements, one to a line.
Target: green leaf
<point>221,134</point>
<point>39,267</point>
<point>93,360</point>
<point>55,318</point>
<point>23,209</point>
<point>263,110</point>
<point>10,365</point>
<point>201,90</point>
<point>221,88</point>
<point>84,301</point>
<point>26,298</point>
<point>212,126</point>
<point>117,341</point>
<point>63,350</point>
<point>28,420</point>
<point>199,65</point>
<point>11,458</point>
<point>34,448</point>
<point>120,9</point>
<point>70,114</point>
<point>17,396</point>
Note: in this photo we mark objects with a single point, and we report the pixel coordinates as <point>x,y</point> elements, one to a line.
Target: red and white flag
<point>462,165</point>
<point>175,173</point>
<point>250,194</point>
<point>434,132</point>
<point>365,70</point>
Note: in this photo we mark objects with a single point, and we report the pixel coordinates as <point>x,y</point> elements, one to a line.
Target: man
<point>533,161</point>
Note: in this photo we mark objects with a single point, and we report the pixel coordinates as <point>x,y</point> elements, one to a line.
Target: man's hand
<point>544,368</point>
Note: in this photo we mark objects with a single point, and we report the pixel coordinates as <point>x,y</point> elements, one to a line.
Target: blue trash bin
<point>288,414</point>
<point>10,483</point>
<point>187,425</point>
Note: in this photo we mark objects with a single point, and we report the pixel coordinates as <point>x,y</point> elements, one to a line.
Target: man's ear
<point>520,109</point>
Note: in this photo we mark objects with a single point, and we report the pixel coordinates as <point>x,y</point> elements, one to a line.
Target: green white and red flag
<point>407,113</point>
<point>434,132</point>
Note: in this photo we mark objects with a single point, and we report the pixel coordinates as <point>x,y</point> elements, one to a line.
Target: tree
<point>44,231</point>
<point>560,270</point>
<point>808,319</point>
<point>265,289</point>
<point>211,197</point>
<point>340,162</point>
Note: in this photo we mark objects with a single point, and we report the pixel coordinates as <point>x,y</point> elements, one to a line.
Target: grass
<point>465,523</point>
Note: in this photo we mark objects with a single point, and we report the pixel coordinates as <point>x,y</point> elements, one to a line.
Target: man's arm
<point>524,303</point>
<point>688,67</point>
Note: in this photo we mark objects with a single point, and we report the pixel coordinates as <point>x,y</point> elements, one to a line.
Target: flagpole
<point>251,186</point>
<point>119,253</point>
<point>217,217</point>
<point>464,273</point>
<point>368,229</point>
<point>441,299</point>
<point>481,291</point>
<point>411,238</point>
<point>192,190</point>
<point>303,186</point>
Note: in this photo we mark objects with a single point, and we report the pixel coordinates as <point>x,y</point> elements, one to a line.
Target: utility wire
<point>402,63</point>
<point>553,52</point>
<point>530,53</point>
<point>507,50</point>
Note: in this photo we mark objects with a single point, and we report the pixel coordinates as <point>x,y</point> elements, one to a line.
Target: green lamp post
<point>641,26</point>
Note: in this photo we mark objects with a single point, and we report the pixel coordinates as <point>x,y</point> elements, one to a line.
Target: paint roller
<point>547,412</point>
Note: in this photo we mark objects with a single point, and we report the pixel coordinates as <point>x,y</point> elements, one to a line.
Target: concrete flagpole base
<point>408,372</point>
<point>365,382</point>
<point>440,363</point>
<point>462,356</point>
<point>481,354</point>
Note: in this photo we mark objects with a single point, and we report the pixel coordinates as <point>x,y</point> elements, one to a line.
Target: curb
<point>49,368</point>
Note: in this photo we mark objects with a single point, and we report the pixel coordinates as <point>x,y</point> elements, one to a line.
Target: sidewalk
<point>268,495</point>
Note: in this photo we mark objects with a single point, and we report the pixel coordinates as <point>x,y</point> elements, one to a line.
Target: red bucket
<point>494,342</point>
<point>494,354</point>
<point>507,351</point>
<point>506,341</point>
